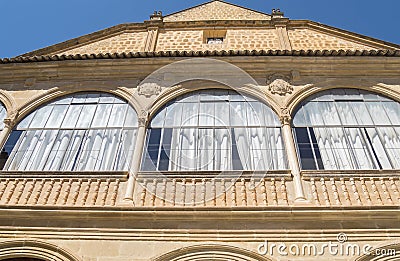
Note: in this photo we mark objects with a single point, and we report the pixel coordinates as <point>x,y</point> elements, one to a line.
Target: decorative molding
<point>11,119</point>
<point>35,249</point>
<point>149,89</point>
<point>280,83</point>
<point>143,118</point>
<point>277,84</point>
<point>285,116</point>
<point>211,252</point>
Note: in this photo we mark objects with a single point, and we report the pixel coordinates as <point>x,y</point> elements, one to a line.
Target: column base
<point>301,202</point>
<point>127,202</point>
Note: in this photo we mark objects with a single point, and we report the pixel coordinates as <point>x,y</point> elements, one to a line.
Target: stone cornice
<point>304,213</point>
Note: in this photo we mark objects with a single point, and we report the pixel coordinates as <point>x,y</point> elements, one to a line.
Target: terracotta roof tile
<point>125,55</point>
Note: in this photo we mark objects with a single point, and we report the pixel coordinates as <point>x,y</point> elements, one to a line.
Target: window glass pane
<point>299,118</point>
<point>117,115</point>
<point>222,114</point>
<point>46,139</point>
<point>65,100</point>
<point>158,119</point>
<point>71,157</point>
<point>363,116</point>
<point>79,98</point>
<point>119,100</point>
<point>329,113</point>
<point>56,116</point>
<point>58,150</point>
<point>393,111</point>
<point>72,116</point>
<point>131,119</point>
<point>238,115</point>
<point>26,121</point>
<point>378,113</point>
<point>346,114</point>
<point>92,98</point>
<point>207,114</point>
<point>86,116</point>
<point>41,117</point>
<point>313,111</point>
<point>102,115</point>
<point>200,135</point>
<point>124,156</point>
<point>173,116</point>
<point>3,114</point>
<point>190,114</point>
<point>106,98</point>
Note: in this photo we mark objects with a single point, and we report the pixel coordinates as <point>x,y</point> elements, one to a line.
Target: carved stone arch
<point>305,93</point>
<point>212,252</point>
<point>35,249</point>
<point>387,248</point>
<point>8,101</point>
<point>58,92</point>
<point>197,85</point>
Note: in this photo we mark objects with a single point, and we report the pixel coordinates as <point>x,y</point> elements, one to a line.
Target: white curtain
<point>213,130</point>
<point>79,132</point>
<point>353,130</point>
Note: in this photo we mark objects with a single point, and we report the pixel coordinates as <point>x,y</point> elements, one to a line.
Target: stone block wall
<point>306,39</point>
<point>252,39</point>
<point>190,40</point>
<point>126,42</point>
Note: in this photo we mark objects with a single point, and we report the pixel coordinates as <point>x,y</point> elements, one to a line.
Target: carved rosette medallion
<point>279,84</point>
<point>149,89</point>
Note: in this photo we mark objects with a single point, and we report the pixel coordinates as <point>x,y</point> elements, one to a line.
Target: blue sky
<point>27,25</point>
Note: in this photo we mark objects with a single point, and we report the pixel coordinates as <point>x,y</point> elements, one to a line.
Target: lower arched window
<point>348,129</point>
<point>214,130</point>
<point>80,132</point>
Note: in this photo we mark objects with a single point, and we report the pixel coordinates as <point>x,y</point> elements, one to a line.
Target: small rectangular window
<point>215,40</point>
<point>214,36</point>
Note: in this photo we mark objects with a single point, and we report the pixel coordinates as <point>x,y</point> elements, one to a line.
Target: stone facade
<point>216,10</point>
<point>135,215</point>
<point>302,39</point>
<point>125,42</point>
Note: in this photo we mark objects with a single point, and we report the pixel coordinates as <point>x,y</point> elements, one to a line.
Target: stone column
<point>292,157</point>
<point>137,156</point>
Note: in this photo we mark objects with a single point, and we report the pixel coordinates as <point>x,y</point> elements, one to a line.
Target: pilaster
<point>280,23</point>
<point>156,21</point>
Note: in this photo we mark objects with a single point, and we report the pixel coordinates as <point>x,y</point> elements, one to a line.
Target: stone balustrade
<point>200,189</point>
<point>214,190</point>
<point>66,190</point>
<point>368,189</point>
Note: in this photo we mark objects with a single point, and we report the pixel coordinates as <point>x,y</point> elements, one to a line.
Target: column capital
<point>143,118</point>
<point>10,121</point>
<point>285,117</point>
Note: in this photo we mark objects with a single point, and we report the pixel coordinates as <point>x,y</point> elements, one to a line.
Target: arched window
<point>80,132</point>
<point>214,130</point>
<point>348,129</point>
<point>3,114</point>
